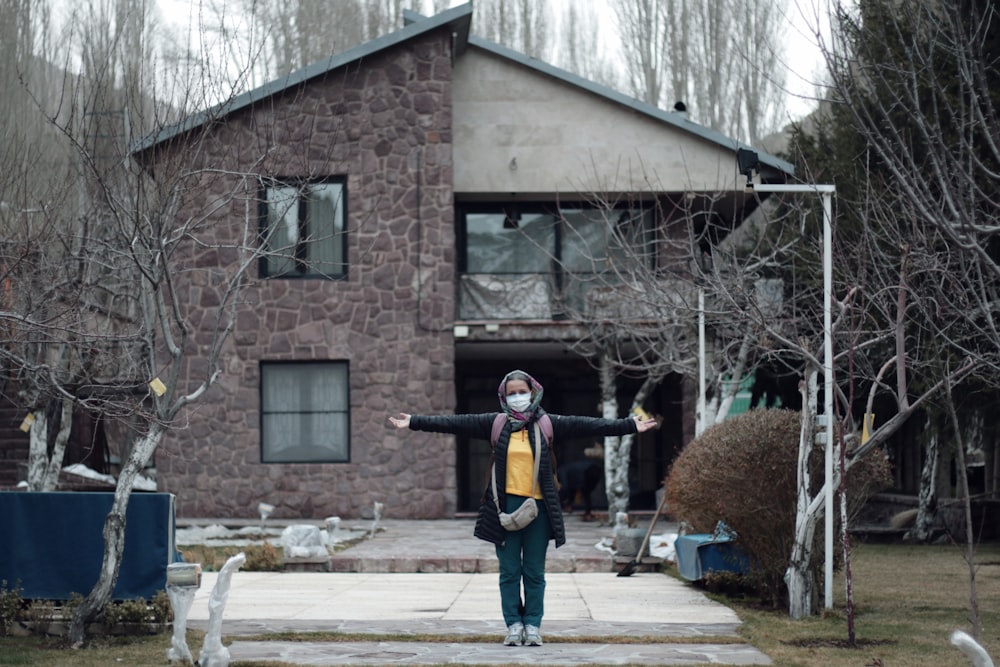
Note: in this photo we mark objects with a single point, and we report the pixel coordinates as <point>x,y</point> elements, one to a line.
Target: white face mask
<point>519,402</point>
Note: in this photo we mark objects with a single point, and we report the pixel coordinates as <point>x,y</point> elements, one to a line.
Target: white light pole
<point>699,422</point>
<point>826,192</point>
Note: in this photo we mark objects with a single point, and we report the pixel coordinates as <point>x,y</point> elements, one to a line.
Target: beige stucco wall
<point>563,139</point>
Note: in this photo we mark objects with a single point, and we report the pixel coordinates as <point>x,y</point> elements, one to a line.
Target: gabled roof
<point>459,20</point>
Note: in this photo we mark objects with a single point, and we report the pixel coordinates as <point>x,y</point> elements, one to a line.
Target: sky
<point>803,63</point>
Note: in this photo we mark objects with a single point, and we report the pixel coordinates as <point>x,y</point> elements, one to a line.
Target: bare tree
<point>913,82</point>
<point>100,317</point>
<point>303,32</point>
<point>280,37</point>
<point>40,216</point>
<point>580,47</point>
<point>892,300</point>
<point>720,58</point>
<point>656,35</point>
<point>522,25</point>
<point>631,274</point>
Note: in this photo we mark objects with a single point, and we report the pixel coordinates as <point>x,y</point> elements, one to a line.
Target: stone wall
<point>385,124</point>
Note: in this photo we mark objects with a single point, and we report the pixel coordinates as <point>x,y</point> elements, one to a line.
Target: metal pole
<point>828,388</point>
<point>826,192</point>
<point>699,423</point>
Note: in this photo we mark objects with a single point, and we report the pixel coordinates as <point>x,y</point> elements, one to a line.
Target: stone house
<point>441,173</point>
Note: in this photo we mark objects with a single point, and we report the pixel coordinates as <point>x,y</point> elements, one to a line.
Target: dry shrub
<point>263,558</point>
<point>743,472</point>
<point>10,606</point>
<point>137,611</point>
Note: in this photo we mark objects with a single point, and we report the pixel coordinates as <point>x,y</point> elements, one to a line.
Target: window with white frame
<point>304,412</point>
<point>303,229</point>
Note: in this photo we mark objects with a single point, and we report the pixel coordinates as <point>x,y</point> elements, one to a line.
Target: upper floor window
<point>536,261</point>
<point>304,412</point>
<point>302,227</point>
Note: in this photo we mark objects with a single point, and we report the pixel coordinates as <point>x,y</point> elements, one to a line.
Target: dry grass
<point>908,599</point>
<point>53,652</point>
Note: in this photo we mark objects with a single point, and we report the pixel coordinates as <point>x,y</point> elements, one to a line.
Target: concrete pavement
<point>434,578</point>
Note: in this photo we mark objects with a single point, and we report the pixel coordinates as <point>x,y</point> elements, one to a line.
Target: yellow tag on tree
<point>642,414</point>
<point>157,386</point>
<point>28,420</point>
<point>867,426</point>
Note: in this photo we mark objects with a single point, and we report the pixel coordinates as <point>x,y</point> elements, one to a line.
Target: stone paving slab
<point>452,598</point>
<point>436,546</point>
<point>567,630</point>
<point>434,578</point>
<point>416,653</point>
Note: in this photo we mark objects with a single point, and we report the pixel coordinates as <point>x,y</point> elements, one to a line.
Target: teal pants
<point>522,562</point>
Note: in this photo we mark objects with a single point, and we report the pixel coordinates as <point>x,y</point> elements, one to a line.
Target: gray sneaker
<point>532,637</point>
<point>515,635</point>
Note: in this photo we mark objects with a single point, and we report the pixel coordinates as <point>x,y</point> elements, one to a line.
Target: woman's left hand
<point>643,425</point>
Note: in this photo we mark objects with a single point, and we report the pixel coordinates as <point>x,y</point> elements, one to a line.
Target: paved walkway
<point>434,578</point>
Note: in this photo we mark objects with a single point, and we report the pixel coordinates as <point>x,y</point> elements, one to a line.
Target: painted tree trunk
<point>114,536</point>
<point>798,576</point>
<point>55,462</point>
<point>615,462</point>
<point>44,468</point>
<point>38,456</point>
<point>728,388</point>
<point>927,495</point>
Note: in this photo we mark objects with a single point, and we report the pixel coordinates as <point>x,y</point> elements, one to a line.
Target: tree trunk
<point>114,537</point>
<point>726,389</point>
<point>615,464</point>
<point>44,468</point>
<point>55,462</point>
<point>38,454</point>
<point>927,496</point>
<point>845,536</point>
<point>798,576</point>
<point>963,489</point>
<point>729,388</point>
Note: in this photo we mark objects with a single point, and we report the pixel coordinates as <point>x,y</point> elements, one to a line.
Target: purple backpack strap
<point>498,423</point>
<point>545,423</point>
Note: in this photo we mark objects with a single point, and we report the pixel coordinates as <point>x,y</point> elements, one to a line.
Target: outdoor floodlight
<point>748,163</point>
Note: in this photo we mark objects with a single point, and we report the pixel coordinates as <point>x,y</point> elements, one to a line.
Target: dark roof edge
<point>460,17</point>
<point>670,117</point>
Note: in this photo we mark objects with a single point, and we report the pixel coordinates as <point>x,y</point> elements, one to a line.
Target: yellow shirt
<point>520,465</point>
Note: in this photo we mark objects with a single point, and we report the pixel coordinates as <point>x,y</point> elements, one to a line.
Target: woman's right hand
<point>403,421</point>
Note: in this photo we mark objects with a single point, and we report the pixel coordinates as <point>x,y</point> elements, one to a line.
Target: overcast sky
<point>804,61</point>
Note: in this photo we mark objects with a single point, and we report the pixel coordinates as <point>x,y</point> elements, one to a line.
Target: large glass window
<point>499,242</point>
<point>594,240</point>
<point>303,229</point>
<point>304,412</point>
<point>537,261</point>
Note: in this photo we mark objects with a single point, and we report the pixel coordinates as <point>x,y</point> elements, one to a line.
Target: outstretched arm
<point>578,426</point>
<point>402,421</point>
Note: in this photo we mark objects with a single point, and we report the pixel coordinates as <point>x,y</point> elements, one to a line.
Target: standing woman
<point>521,553</point>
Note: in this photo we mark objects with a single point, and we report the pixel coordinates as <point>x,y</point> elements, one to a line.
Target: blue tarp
<point>701,553</point>
<point>53,543</point>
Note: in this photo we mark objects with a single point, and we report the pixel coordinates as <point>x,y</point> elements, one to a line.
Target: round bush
<point>743,472</point>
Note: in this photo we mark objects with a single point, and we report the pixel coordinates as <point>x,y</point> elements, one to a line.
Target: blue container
<point>701,553</point>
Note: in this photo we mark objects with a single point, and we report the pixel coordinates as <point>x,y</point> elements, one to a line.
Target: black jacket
<point>481,425</point>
